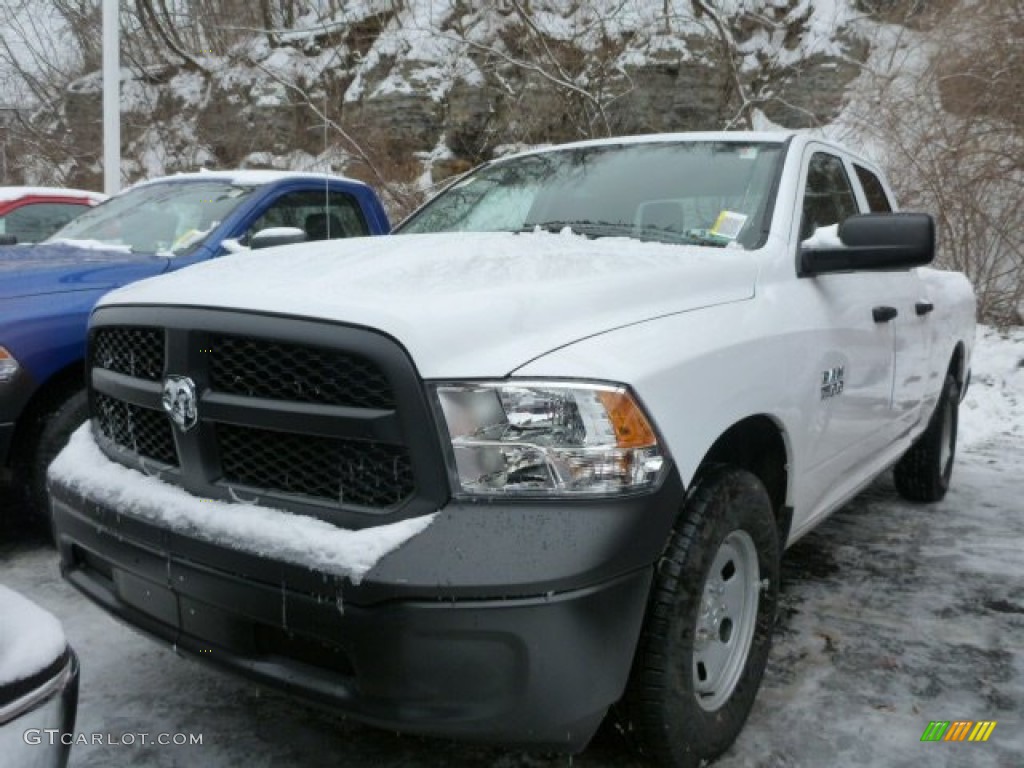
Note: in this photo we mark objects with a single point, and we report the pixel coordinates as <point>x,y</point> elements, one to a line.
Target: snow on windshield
<point>170,218</point>
<point>259,530</point>
<point>30,638</point>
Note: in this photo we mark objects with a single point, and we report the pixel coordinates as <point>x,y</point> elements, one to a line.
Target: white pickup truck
<point>536,454</point>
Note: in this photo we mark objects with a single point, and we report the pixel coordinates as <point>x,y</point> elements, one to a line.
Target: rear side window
<point>828,195</point>
<point>878,201</point>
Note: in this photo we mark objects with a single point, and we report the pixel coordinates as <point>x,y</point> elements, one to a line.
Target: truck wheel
<point>924,471</point>
<point>709,623</point>
<point>57,426</point>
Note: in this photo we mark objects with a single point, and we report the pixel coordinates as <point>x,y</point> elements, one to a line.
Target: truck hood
<point>31,270</point>
<point>465,304</point>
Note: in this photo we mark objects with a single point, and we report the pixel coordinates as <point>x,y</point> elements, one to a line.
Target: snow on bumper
<point>506,623</point>
<point>260,530</point>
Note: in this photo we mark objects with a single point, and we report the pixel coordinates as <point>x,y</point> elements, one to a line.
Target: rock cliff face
<point>403,85</point>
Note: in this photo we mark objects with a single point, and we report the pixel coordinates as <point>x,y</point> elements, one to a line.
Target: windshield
<point>706,193</point>
<point>170,218</point>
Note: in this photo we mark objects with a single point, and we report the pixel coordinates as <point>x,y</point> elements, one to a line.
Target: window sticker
<point>747,153</point>
<point>728,224</point>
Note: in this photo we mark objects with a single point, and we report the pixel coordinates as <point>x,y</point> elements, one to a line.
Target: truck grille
<point>317,419</point>
<point>135,352</point>
<point>345,471</point>
<point>142,431</point>
<point>304,374</point>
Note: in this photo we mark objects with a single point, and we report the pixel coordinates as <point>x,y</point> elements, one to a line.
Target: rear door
<point>910,327</point>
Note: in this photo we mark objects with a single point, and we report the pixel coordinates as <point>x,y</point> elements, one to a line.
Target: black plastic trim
<point>188,330</point>
<point>537,670</point>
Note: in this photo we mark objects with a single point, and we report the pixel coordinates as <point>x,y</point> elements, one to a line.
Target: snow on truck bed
<point>30,638</point>
<point>255,529</point>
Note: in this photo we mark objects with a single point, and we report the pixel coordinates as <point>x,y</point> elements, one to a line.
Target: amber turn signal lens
<point>632,429</point>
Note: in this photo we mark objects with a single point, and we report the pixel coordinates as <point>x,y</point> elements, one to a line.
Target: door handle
<point>884,314</point>
<point>923,308</point>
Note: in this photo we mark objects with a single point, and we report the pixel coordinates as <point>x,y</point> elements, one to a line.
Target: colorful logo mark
<point>958,730</point>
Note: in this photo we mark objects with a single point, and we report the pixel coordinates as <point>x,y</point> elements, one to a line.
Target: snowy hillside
<point>383,87</point>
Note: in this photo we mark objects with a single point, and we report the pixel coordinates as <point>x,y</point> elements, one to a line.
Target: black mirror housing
<point>874,241</point>
<point>8,239</point>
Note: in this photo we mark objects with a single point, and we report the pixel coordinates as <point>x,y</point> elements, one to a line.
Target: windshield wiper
<point>588,228</point>
<point>593,229</point>
<point>703,237</point>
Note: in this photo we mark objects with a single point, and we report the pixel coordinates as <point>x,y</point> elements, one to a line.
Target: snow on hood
<point>30,638</point>
<point>465,304</point>
<point>250,528</point>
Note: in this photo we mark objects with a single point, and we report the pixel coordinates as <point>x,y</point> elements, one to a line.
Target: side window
<point>878,201</point>
<point>828,196</point>
<point>322,216</point>
<point>37,221</point>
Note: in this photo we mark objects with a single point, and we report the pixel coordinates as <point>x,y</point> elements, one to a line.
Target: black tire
<point>676,717</point>
<point>924,472</point>
<point>57,425</point>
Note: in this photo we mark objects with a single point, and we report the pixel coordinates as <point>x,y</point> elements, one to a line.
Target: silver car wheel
<point>726,620</point>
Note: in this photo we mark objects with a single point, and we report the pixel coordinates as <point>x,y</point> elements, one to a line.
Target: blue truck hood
<point>46,268</point>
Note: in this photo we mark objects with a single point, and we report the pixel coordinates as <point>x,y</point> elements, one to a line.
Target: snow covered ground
<point>894,615</point>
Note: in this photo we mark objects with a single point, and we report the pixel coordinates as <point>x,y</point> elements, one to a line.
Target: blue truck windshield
<point>169,218</point>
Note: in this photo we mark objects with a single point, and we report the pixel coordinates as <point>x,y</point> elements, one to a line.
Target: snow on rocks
<point>30,638</point>
<point>257,529</point>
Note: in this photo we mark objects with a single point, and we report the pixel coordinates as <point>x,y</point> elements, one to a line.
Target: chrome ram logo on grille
<point>180,401</point>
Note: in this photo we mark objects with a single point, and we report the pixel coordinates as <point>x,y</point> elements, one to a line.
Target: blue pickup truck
<point>47,290</point>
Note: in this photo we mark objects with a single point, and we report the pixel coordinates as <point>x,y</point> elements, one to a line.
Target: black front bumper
<point>512,624</point>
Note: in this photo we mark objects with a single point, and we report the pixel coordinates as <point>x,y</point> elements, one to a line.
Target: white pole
<point>111,99</point>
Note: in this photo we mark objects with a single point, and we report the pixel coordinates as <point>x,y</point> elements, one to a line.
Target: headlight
<point>8,365</point>
<point>553,437</point>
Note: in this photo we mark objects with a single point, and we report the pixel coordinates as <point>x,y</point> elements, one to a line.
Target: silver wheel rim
<point>946,451</point>
<point>726,620</point>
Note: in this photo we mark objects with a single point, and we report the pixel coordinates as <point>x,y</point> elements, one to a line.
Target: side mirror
<point>231,245</point>
<point>872,241</point>
<point>8,239</point>
<point>268,238</point>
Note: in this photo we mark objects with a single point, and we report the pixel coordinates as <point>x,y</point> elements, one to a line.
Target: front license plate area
<point>153,599</point>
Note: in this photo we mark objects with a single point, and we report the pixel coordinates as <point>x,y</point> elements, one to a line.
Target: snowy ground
<point>893,615</point>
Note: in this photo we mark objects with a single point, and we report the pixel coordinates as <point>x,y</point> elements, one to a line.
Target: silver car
<point>38,686</point>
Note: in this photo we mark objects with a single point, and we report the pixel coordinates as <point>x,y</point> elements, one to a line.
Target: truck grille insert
<point>344,471</point>
<point>319,419</point>
<point>144,432</point>
<point>284,371</point>
<point>137,352</point>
